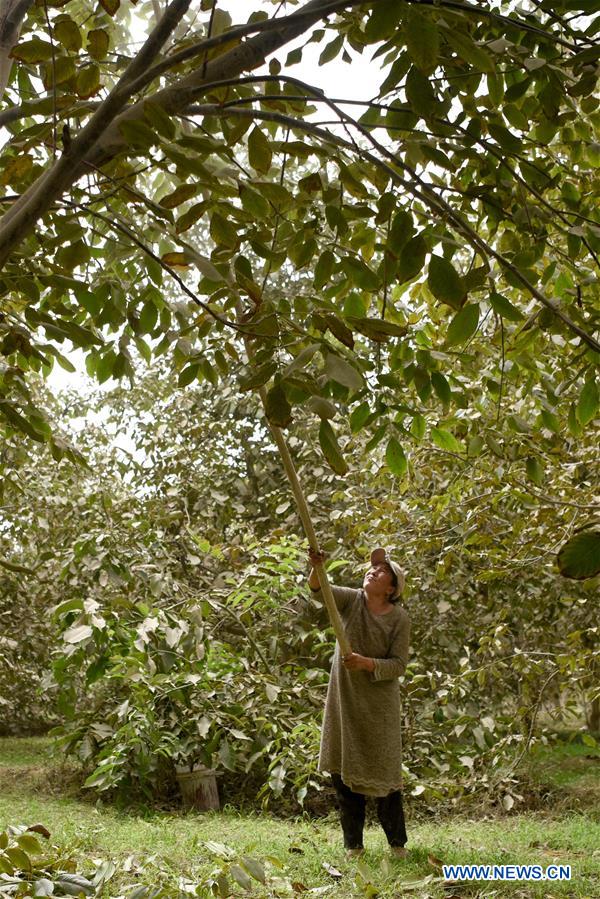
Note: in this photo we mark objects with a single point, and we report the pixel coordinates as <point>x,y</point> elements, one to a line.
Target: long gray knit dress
<point>361,738</point>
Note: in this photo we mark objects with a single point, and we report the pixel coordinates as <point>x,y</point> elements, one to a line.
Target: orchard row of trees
<point>159,612</point>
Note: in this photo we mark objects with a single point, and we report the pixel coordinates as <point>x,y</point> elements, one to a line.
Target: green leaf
<point>359,273</point>
<point>506,139</point>
<point>468,50</point>
<point>331,449</point>
<point>504,307</point>
<point>18,421</point>
<point>339,370</point>
<point>19,859</point>
<point>376,328</point>
<point>323,268</point>
<point>158,118</point>
<point>401,231</point>
<point>138,133</point>
<point>475,445</point>
<point>301,252</point>
<point>572,421</point>
<point>254,203</point>
<point>463,325</point>
<point>339,329</point>
<point>322,407</point>
<point>359,416</point>
<point>383,21</point>
<point>418,426</point>
<point>422,40</point>
<point>420,94</point>
<point>446,441</point>
<point>331,49</point>
<point>259,151</point>
<point>579,557</point>
<point>254,867</point>
<point>277,407</point>
<point>412,259</point>
<point>240,877</point>
<point>587,405</point>
<point>28,843</point>
<point>441,387</point>
<point>73,255</point>
<point>395,458</point>
<point>535,471</point>
<point>148,317</point>
<point>445,283</point>
<point>551,421</point>
<point>98,43</point>
<point>188,374</point>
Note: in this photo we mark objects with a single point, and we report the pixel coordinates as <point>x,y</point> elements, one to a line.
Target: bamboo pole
<point>303,511</point>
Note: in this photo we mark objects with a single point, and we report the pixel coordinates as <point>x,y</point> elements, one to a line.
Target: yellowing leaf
<point>277,407</point>
<point>62,70</point>
<point>259,151</point>
<point>67,32</point>
<point>176,260</point>
<point>181,193</point>
<point>88,81</point>
<point>98,43</point>
<point>223,232</point>
<point>35,50</point>
<point>111,6</point>
<point>422,40</point>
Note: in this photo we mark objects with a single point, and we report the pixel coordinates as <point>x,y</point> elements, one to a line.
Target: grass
<point>158,847</point>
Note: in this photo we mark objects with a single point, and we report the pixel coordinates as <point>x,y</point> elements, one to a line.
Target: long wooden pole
<point>303,511</point>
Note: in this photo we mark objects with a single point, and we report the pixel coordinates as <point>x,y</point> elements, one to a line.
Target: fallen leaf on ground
<point>333,872</point>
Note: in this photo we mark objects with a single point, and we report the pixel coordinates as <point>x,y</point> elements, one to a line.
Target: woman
<point>361,745</point>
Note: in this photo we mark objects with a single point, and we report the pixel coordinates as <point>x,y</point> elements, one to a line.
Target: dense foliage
<point>449,234</point>
<point>182,632</point>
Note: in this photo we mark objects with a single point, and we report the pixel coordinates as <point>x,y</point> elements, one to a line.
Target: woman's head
<point>384,579</point>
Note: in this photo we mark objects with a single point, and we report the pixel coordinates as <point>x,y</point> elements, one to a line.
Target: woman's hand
<point>355,662</point>
<point>316,557</point>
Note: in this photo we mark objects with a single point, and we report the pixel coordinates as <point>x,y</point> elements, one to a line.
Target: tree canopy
<point>452,227</point>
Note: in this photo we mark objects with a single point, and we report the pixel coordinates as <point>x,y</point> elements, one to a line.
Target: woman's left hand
<point>355,662</point>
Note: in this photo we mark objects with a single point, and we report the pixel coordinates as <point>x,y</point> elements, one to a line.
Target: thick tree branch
<point>12,13</point>
<point>21,218</point>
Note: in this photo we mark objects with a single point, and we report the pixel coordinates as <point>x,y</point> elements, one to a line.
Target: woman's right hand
<point>316,557</point>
